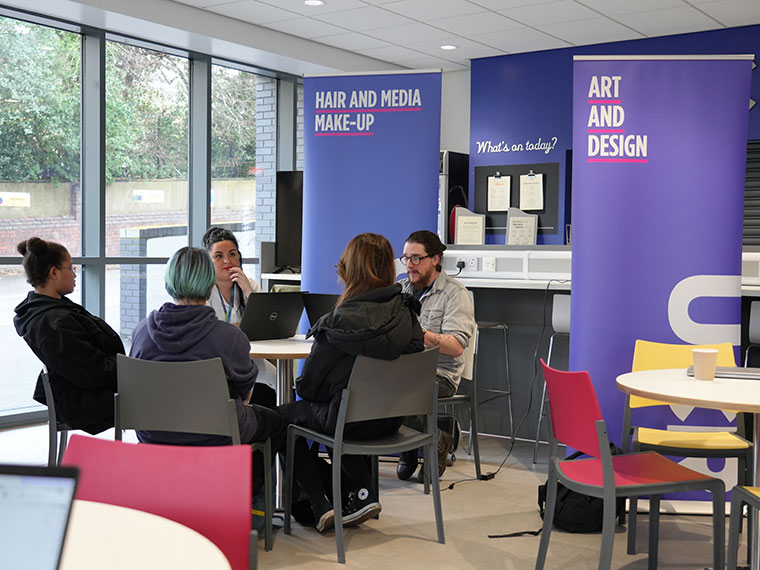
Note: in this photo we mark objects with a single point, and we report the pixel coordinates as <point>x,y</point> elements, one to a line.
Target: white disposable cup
<point>705,360</point>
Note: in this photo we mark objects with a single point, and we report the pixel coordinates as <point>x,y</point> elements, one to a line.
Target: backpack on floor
<point>576,512</point>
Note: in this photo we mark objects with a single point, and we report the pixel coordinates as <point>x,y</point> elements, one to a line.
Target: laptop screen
<point>35,503</point>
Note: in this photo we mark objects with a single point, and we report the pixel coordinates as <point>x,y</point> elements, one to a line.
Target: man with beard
<point>448,322</point>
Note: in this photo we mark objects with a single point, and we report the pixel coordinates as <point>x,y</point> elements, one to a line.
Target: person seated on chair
<point>448,322</point>
<point>228,298</point>
<point>78,348</point>
<point>372,318</point>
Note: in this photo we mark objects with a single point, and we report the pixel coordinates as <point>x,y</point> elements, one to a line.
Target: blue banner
<point>371,164</point>
<point>659,151</point>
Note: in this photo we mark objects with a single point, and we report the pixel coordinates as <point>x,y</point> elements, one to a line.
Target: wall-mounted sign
<point>148,196</point>
<point>15,199</point>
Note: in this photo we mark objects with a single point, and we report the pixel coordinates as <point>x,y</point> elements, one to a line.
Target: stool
<point>561,326</point>
<point>486,325</point>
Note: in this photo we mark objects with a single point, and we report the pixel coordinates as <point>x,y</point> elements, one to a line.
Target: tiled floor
<point>404,536</point>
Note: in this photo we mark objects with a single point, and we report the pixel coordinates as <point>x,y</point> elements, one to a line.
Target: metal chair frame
<point>55,448</point>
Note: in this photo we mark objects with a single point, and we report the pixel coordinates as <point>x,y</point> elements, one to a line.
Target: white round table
<point>107,536</point>
<point>285,351</point>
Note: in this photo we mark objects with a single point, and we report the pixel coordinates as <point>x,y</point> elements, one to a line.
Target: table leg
<point>284,396</point>
<point>754,562</point>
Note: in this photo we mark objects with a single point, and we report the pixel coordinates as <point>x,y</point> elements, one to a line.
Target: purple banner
<point>659,151</point>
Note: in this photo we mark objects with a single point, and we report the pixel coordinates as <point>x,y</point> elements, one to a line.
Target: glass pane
<point>233,156</point>
<point>20,365</point>
<point>147,111</point>
<point>40,98</point>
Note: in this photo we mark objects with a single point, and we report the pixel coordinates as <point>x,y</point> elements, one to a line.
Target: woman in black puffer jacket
<point>372,318</point>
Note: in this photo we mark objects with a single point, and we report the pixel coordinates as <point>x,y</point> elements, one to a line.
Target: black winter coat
<point>381,323</point>
<point>79,350</point>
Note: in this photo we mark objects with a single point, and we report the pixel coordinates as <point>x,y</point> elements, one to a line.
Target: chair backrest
<point>207,489</point>
<point>649,355</point>
<point>471,356</point>
<point>754,322</point>
<point>574,409</point>
<point>190,397</point>
<point>392,388</point>
<point>561,314</point>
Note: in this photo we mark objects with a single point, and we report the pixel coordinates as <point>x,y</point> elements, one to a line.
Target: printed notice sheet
<point>470,228</point>
<point>521,228</point>
<point>498,193</point>
<point>531,192</point>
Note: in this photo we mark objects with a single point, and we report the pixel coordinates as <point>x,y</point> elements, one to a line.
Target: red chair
<point>207,489</point>
<point>576,420</point>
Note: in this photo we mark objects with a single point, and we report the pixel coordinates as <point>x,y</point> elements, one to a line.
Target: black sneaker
<point>324,515</point>
<point>359,507</point>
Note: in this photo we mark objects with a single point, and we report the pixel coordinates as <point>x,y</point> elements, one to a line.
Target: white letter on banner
<point>689,289</point>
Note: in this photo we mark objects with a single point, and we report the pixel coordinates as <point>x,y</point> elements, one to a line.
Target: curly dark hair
<point>431,243</point>
<point>39,257</point>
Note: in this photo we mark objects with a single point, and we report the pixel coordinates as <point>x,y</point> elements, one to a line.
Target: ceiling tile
<point>435,63</point>
<point>422,9</point>
<point>520,40</point>
<point>613,7</point>
<point>308,28</point>
<point>402,34</point>
<point>587,32</point>
<point>505,4</point>
<point>328,7</point>
<point>252,11</point>
<point>480,23</point>
<point>352,41</point>
<point>552,13</point>
<point>733,12</point>
<point>391,53</point>
<point>367,18</point>
<point>467,49</point>
<point>668,21</point>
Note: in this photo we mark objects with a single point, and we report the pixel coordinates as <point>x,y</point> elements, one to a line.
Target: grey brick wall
<point>266,160</point>
<point>299,127</point>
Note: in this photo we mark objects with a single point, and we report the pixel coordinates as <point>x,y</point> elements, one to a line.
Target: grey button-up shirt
<point>447,308</point>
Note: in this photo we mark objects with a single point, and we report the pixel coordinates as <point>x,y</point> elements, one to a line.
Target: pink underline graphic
<point>391,110</point>
<point>617,160</point>
<point>343,134</point>
<point>606,130</point>
<point>602,101</point>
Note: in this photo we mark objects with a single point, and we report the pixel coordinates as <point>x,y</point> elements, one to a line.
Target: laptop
<point>318,304</point>
<point>35,504</point>
<point>736,372</point>
<point>271,315</point>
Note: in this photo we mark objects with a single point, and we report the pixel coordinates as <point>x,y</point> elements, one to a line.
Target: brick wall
<point>299,127</point>
<point>266,161</point>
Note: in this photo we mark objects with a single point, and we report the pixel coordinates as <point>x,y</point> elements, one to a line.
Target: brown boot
<point>445,446</point>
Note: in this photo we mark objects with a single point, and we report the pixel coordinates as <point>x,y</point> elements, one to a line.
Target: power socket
<point>489,264</point>
<point>472,264</point>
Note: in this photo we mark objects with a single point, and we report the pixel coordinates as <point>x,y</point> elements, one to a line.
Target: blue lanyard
<point>227,308</point>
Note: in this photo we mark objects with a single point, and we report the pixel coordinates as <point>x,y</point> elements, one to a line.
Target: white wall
<point>455,111</point>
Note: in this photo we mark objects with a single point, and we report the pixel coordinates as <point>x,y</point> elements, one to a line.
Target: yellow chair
<point>656,356</point>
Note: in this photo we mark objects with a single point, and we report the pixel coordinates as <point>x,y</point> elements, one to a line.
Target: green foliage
<point>147,110</point>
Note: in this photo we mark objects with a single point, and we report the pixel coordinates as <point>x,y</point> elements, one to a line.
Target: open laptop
<point>35,504</point>
<point>318,304</point>
<point>736,372</point>
<point>271,315</point>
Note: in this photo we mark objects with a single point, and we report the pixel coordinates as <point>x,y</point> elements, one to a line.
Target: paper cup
<point>705,360</point>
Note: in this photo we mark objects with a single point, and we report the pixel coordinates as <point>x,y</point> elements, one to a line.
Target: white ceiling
<point>409,33</point>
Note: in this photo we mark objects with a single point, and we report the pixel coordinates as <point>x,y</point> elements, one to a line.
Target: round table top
<point>282,348</point>
<point>119,538</point>
<point>675,386</point>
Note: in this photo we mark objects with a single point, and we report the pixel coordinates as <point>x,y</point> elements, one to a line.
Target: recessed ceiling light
<point>449,46</point>
<point>314,2</point>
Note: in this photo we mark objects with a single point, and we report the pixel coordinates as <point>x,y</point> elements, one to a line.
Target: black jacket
<point>79,350</point>
<point>381,323</point>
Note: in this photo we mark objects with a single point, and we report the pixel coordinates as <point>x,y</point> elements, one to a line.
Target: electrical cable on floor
<point>491,474</point>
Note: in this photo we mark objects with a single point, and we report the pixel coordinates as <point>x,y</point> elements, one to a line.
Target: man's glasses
<point>415,259</point>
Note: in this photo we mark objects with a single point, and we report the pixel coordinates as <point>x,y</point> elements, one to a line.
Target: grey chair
<point>379,389</point>
<point>189,397</point>
<point>754,329</point>
<point>55,447</point>
<point>561,327</point>
<point>739,497</point>
<point>469,399</point>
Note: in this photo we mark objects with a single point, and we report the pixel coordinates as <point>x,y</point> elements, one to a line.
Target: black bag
<point>575,512</point>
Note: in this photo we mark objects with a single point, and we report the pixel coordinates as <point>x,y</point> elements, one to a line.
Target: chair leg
<point>338,505</point>
<point>268,506</point>
<point>376,477</point>
<point>287,492</point>
<point>509,385</point>
<point>633,503</point>
<point>474,431</point>
<point>718,491</point>
<point>733,529</point>
<point>431,466</point>
<point>52,444</point>
<point>62,445</point>
<point>608,533</point>
<point>654,530</point>
<point>540,419</point>
<point>551,501</point>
